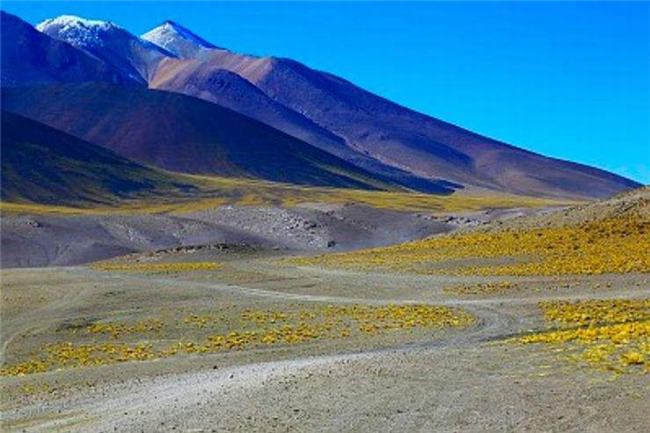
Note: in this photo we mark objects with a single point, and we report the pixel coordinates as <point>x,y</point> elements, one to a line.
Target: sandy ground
<point>53,240</point>
<point>445,380</point>
<point>56,240</point>
<point>440,379</point>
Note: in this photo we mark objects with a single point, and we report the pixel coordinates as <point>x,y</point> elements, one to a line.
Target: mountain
<point>178,40</point>
<point>195,75</point>
<point>135,58</point>
<point>319,115</point>
<point>412,141</point>
<point>181,133</point>
<point>374,128</point>
<point>29,56</point>
<point>43,165</point>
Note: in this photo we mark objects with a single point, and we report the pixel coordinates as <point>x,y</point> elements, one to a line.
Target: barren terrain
<point>248,339</point>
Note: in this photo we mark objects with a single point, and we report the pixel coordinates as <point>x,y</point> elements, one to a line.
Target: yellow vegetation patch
<point>67,355</point>
<point>596,312</point>
<point>218,191</point>
<point>38,388</point>
<point>609,334</point>
<point>157,267</point>
<point>614,245</point>
<point>118,329</point>
<point>322,322</point>
<point>253,328</point>
<point>481,288</point>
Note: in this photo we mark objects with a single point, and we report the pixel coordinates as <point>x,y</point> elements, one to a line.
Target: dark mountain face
<point>230,90</point>
<point>41,164</point>
<point>29,56</point>
<point>134,58</point>
<point>181,133</point>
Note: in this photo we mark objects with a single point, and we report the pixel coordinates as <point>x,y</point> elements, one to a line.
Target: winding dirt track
<point>131,404</point>
<point>149,405</point>
<point>287,296</point>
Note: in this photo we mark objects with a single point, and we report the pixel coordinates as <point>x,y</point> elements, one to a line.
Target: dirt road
<point>466,380</point>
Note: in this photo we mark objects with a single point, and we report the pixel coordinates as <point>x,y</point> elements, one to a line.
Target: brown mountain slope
<point>232,91</point>
<point>394,135</point>
<point>181,133</point>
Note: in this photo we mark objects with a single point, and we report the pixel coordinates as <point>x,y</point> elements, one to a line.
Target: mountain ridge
<point>181,133</point>
<point>384,139</point>
<point>403,138</point>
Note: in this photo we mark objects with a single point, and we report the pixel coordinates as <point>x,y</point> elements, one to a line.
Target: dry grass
<point>157,338</point>
<point>481,288</point>
<point>612,245</point>
<point>216,191</point>
<point>607,334</point>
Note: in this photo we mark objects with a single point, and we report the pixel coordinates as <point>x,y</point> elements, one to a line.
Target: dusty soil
<point>443,379</point>
<point>47,240</point>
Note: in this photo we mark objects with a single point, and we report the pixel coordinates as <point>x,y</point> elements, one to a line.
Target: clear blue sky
<point>570,80</point>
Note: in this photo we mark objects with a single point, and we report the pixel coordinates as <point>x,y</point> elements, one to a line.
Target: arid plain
<point>535,322</point>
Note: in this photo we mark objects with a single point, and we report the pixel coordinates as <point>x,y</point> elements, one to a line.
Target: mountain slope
<point>43,165</point>
<point>136,59</point>
<point>236,93</point>
<point>419,143</point>
<point>389,133</point>
<point>28,56</point>
<point>200,78</point>
<point>181,133</point>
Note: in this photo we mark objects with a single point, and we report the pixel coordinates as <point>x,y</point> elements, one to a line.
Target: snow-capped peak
<point>77,30</point>
<point>177,39</point>
<point>67,21</point>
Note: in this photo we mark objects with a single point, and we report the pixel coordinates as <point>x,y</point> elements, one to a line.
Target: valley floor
<point>470,377</point>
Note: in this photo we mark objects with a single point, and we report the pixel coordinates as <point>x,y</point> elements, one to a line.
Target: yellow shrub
<point>615,245</point>
<point>271,327</point>
<point>610,334</point>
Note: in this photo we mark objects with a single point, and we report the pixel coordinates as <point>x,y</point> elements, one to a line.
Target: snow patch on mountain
<point>134,58</point>
<point>85,33</point>
<point>76,30</point>
<point>178,40</point>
